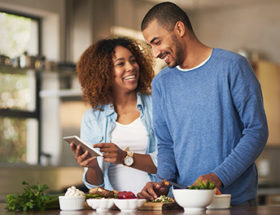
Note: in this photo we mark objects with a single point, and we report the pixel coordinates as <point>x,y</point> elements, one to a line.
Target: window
<point>19,89</point>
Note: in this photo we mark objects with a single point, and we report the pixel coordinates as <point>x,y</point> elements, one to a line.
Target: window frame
<point>36,114</point>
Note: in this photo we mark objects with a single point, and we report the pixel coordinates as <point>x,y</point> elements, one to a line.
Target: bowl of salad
<point>195,198</point>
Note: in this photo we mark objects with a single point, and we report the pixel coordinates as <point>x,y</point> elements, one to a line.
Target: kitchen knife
<point>172,183</point>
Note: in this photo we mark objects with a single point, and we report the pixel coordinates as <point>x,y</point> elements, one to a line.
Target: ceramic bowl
<point>193,200</point>
<point>129,205</point>
<point>101,205</point>
<point>71,203</point>
<point>220,202</point>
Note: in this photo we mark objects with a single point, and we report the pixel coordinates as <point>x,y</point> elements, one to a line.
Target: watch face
<point>128,161</point>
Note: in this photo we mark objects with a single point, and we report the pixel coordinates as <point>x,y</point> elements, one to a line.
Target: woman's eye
<point>133,61</point>
<point>120,64</point>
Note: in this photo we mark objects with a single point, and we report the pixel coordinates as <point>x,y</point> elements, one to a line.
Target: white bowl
<point>193,200</point>
<point>101,205</point>
<point>129,205</point>
<point>71,203</point>
<point>220,202</point>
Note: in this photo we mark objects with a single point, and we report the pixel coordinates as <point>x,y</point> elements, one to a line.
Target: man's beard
<point>178,58</point>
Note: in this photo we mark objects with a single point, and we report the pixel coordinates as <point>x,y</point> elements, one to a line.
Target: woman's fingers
<point>86,163</point>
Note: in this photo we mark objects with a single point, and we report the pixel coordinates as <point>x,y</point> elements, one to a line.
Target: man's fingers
<point>146,195</point>
<point>148,191</point>
<point>140,196</point>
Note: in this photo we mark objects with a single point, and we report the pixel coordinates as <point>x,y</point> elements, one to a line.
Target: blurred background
<point>40,97</point>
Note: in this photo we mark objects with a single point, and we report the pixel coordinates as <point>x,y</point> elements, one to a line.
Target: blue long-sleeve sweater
<point>210,119</point>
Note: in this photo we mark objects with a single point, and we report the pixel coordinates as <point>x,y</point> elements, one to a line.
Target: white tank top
<point>134,136</point>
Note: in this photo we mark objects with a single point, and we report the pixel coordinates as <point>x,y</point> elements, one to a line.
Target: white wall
<point>254,27</point>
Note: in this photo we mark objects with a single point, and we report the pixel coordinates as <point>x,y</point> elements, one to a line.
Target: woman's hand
<point>83,158</point>
<point>111,152</point>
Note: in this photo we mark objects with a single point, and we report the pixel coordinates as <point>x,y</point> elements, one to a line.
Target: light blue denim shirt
<point>97,126</point>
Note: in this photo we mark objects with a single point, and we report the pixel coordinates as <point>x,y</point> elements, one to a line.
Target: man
<point>207,110</point>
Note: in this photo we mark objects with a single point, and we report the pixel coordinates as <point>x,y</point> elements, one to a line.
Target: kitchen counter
<point>260,210</point>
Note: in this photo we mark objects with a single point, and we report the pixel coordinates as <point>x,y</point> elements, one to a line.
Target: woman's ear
<point>180,29</point>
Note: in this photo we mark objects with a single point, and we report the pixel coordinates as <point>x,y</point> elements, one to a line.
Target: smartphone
<point>85,147</point>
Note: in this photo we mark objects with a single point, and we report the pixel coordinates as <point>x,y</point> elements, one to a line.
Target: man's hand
<point>152,190</point>
<point>209,177</point>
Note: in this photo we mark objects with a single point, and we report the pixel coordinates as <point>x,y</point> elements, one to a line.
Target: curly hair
<point>95,69</point>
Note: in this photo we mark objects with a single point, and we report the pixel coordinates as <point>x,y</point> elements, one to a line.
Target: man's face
<point>164,44</point>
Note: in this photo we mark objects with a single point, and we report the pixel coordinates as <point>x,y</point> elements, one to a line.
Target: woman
<point>116,76</point>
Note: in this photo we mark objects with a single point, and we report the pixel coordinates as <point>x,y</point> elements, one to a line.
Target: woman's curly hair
<point>95,69</point>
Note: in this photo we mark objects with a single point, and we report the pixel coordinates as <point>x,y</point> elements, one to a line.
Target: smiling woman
<point>116,75</point>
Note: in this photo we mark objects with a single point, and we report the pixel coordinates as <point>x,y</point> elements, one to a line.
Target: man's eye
<point>157,43</point>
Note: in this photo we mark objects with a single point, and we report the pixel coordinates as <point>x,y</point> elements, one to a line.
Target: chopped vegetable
<point>33,198</point>
<point>209,185</point>
<point>163,198</point>
<point>218,192</point>
<point>94,196</point>
<point>166,183</point>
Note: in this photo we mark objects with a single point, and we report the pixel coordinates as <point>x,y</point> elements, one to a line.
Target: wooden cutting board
<point>159,206</point>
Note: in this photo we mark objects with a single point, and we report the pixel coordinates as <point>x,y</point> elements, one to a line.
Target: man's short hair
<point>167,14</point>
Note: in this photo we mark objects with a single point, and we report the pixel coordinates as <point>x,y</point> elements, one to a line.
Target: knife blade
<point>173,183</point>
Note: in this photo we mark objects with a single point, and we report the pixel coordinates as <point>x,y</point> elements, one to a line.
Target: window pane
<point>17,90</point>
<point>18,35</point>
<point>17,143</point>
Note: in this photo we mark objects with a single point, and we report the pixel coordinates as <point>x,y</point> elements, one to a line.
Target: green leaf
<point>33,198</point>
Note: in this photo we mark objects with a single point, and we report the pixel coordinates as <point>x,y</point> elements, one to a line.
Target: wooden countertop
<point>260,210</point>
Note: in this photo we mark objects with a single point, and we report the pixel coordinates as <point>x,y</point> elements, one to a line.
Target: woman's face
<point>126,70</point>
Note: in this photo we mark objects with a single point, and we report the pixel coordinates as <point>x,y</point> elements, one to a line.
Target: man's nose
<point>156,52</point>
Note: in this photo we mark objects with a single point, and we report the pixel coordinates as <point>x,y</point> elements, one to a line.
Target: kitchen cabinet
<point>268,74</point>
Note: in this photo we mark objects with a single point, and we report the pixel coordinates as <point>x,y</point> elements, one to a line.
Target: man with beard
<point>208,111</point>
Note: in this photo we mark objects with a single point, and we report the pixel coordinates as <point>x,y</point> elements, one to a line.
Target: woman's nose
<point>129,66</point>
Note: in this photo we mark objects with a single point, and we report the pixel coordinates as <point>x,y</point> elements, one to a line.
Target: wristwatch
<point>128,160</point>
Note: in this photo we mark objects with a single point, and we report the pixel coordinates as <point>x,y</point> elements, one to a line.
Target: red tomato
<point>126,195</point>
<point>218,192</point>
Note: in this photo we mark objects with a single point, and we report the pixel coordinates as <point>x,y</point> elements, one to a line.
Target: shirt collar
<point>109,109</point>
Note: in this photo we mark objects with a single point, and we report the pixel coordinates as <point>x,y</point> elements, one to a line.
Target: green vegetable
<point>163,198</point>
<point>33,198</point>
<point>94,196</point>
<point>203,185</point>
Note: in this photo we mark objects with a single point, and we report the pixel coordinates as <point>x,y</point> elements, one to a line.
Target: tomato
<point>218,192</point>
<point>126,195</point>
